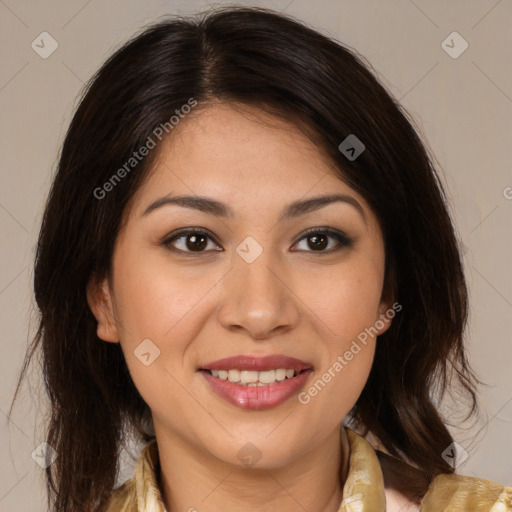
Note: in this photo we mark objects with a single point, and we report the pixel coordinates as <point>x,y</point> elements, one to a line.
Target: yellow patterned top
<point>363,490</point>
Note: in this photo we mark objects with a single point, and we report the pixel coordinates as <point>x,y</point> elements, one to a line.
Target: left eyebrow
<point>214,207</point>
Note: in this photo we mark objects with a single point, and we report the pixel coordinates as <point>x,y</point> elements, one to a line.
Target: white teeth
<point>268,376</point>
<point>234,375</point>
<point>247,377</point>
<point>280,374</point>
<point>254,378</point>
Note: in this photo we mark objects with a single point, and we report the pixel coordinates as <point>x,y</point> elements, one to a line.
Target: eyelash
<point>343,240</point>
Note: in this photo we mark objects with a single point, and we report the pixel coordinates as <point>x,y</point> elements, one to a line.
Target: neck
<point>194,481</point>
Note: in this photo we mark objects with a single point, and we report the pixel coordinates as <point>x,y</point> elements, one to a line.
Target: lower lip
<point>257,397</point>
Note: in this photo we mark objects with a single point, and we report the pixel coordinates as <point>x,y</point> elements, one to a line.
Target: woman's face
<point>252,284</point>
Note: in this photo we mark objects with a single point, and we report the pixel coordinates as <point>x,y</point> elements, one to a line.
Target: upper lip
<point>255,363</point>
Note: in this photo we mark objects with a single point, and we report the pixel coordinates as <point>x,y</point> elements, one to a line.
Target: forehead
<point>243,156</point>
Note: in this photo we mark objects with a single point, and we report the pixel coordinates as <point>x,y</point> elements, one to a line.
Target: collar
<point>364,485</point>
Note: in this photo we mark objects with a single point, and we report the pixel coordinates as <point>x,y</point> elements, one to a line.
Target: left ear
<point>386,314</point>
<point>388,306</point>
<point>100,302</point>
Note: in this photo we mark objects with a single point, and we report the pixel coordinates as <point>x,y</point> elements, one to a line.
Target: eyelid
<point>183,233</point>
<point>344,241</point>
<point>341,236</point>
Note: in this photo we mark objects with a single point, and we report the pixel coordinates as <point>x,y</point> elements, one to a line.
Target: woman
<point>246,258</point>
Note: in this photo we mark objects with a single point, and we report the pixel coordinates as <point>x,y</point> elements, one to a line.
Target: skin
<point>293,300</point>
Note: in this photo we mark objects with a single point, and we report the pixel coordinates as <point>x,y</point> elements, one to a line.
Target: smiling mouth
<point>251,378</point>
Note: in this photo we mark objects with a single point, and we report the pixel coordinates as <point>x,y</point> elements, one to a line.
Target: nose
<point>257,299</point>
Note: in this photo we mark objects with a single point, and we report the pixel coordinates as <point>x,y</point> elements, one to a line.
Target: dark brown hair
<point>256,57</point>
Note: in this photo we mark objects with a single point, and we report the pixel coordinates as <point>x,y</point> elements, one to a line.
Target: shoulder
<point>464,493</point>
<point>455,493</point>
<point>123,499</point>
<point>397,502</point>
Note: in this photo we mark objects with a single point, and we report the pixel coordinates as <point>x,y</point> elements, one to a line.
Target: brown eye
<point>318,240</point>
<point>194,240</point>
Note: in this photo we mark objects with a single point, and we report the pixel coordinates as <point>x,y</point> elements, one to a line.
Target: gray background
<point>463,107</point>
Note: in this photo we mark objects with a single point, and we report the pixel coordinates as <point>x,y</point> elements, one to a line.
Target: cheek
<point>345,299</point>
<point>155,311</point>
<point>345,303</point>
<point>154,299</point>
<point>340,379</point>
<point>153,308</point>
